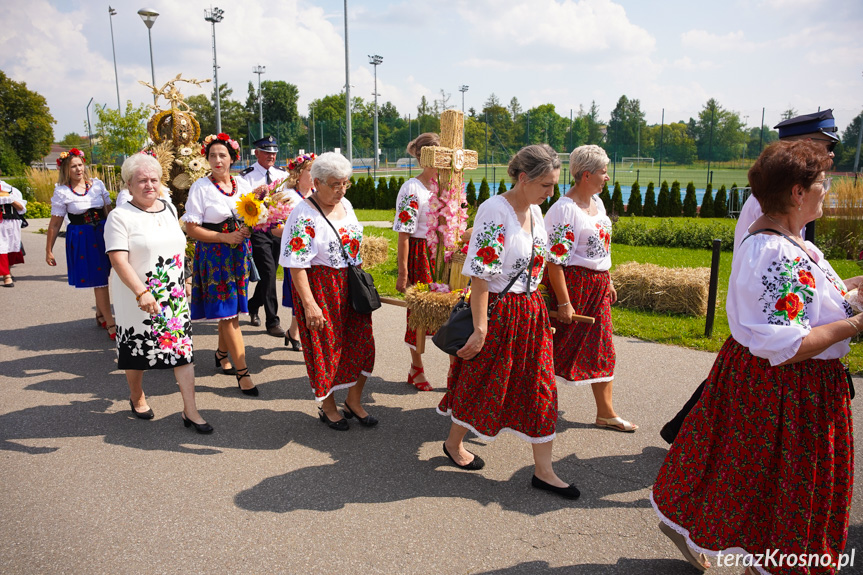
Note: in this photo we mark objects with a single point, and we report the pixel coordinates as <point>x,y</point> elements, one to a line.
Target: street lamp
<point>348,134</point>
<point>375,61</point>
<point>214,16</point>
<point>149,17</point>
<point>89,131</point>
<point>463,88</point>
<point>260,70</point>
<point>111,14</point>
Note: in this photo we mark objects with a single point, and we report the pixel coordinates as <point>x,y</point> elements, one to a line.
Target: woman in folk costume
<point>220,273</point>
<point>503,378</point>
<point>321,238</point>
<point>300,186</point>
<point>13,206</point>
<point>86,202</point>
<point>579,257</point>
<point>415,263</point>
<point>764,461</point>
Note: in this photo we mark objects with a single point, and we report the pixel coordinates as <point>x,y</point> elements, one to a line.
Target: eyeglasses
<point>825,183</point>
<point>343,186</point>
<point>831,143</point>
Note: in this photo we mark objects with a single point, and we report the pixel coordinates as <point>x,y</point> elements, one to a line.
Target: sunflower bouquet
<point>262,209</point>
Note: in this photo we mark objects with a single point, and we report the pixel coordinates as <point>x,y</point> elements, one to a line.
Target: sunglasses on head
<point>831,143</point>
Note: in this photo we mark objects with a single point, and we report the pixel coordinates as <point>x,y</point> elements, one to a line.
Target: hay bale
<point>374,250</point>
<point>429,309</point>
<point>661,289</point>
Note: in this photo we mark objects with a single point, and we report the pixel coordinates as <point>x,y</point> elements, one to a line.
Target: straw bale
<point>429,309</point>
<point>661,289</point>
<point>374,251</point>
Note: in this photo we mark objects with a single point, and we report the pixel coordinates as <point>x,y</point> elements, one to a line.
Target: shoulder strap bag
<point>361,285</point>
<point>453,335</point>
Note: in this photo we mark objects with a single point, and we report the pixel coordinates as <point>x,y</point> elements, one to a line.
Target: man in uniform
<point>817,127</point>
<point>265,246</point>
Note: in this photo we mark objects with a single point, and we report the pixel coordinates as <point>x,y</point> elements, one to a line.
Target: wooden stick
<point>575,317</point>
<point>394,301</point>
<point>421,340</point>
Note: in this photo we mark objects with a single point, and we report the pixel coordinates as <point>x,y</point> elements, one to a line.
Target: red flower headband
<point>225,139</point>
<point>150,153</point>
<point>298,162</point>
<point>72,152</point>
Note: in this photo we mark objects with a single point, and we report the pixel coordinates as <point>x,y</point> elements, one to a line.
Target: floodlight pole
<point>149,17</point>
<point>348,91</point>
<point>213,16</point>
<point>463,88</point>
<point>375,61</point>
<point>260,70</point>
<point>111,14</point>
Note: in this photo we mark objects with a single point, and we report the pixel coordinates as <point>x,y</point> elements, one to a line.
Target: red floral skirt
<point>584,353</point>
<point>420,269</point>
<point>764,461</point>
<point>509,385</point>
<point>345,348</point>
<point>9,260</point>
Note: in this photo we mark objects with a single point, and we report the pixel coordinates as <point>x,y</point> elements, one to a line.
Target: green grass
<point>681,221</point>
<point>375,215</point>
<point>386,273</point>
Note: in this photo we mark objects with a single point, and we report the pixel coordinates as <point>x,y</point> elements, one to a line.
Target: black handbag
<point>453,335</point>
<point>361,285</point>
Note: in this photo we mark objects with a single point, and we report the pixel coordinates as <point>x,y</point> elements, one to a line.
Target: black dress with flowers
<point>156,247</point>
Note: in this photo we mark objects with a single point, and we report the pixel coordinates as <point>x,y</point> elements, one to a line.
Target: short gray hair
<point>331,165</point>
<point>137,162</point>
<point>590,158</point>
<point>534,161</point>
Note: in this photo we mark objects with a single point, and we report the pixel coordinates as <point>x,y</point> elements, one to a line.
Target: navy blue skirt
<point>287,295</point>
<point>87,263</point>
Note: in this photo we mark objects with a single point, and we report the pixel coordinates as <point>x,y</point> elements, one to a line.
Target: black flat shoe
<point>340,425</point>
<point>474,465</point>
<point>220,357</point>
<point>568,492</point>
<point>294,343</point>
<point>367,421</point>
<point>241,373</point>
<point>254,319</point>
<point>202,428</point>
<point>142,414</point>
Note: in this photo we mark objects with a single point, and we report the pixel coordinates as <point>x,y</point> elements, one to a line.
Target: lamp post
<point>463,88</point>
<point>89,132</point>
<point>149,17</point>
<point>349,137</point>
<point>260,70</point>
<point>213,16</point>
<point>375,61</point>
<point>111,14</point>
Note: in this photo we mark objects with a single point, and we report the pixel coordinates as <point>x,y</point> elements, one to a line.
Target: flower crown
<point>72,152</point>
<point>225,139</point>
<point>298,162</point>
<point>150,153</point>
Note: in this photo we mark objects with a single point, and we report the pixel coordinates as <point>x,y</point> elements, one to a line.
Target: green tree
<point>707,205</point>
<point>393,192</point>
<point>728,137</point>
<point>119,134</point>
<point>26,126</point>
<point>499,127</point>
<point>663,201</point>
<point>720,203</point>
<point>846,151</point>
<point>690,202</point>
<point>605,196</point>
<point>382,196</point>
<point>649,201</point>
<point>550,202</point>
<point>617,201</point>
<point>594,125</point>
<point>624,128</point>
<point>678,145</point>
<point>501,188</point>
<point>756,142</point>
<point>634,207</point>
<point>484,192</point>
<point>675,206</point>
<point>73,140</point>
<point>470,192</point>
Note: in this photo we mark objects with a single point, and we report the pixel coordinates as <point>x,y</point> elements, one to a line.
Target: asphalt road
<point>87,488</point>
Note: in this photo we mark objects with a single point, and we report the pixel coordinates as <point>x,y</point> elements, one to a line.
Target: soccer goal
<point>633,163</point>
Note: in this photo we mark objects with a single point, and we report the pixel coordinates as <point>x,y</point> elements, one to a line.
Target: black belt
<point>8,212</point>
<point>224,227</point>
<point>91,217</point>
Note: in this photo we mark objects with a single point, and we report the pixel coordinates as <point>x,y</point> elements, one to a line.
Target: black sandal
<point>241,373</point>
<point>367,421</point>
<point>294,343</point>
<point>220,358</point>
<point>340,425</point>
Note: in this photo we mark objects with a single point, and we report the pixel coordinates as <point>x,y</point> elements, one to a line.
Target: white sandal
<point>616,423</point>
<point>698,561</point>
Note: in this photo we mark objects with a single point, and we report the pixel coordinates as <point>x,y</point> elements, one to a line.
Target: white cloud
<point>710,42</point>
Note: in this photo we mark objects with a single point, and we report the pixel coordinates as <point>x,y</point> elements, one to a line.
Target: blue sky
<point>776,54</point>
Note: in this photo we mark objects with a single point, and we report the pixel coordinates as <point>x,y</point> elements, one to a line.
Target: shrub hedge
<point>693,234</point>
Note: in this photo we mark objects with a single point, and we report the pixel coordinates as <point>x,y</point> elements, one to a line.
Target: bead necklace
<point>218,187</point>
<point>86,189</point>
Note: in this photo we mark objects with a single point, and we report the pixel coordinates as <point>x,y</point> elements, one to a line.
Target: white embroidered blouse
<point>65,201</point>
<point>499,248</point>
<point>412,206</point>
<point>776,295</point>
<point>206,204</point>
<point>309,240</point>
<point>577,239</point>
